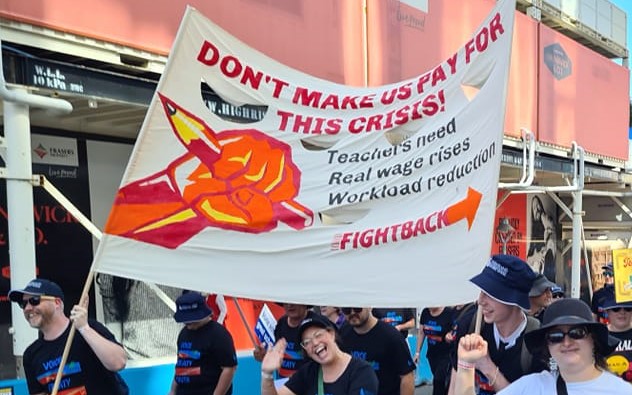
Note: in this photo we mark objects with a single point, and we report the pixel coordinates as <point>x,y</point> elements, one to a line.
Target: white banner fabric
<point>343,196</point>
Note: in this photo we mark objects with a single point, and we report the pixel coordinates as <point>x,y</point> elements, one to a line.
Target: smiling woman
<point>572,339</point>
<point>329,370</point>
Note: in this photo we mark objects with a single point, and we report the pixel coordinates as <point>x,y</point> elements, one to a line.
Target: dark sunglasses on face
<point>618,309</point>
<point>575,333</point>
<point>349,310</point>
<point>34,300</point>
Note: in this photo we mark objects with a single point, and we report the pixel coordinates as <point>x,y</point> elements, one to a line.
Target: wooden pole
<point>71,334</point>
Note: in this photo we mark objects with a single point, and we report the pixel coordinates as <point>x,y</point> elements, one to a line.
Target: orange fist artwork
<point>241,180</point>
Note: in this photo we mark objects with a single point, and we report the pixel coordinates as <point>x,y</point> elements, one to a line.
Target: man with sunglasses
<point>599,296</point>
<point>383,347</point>
<point>620,326</point>
<point>94,356</point>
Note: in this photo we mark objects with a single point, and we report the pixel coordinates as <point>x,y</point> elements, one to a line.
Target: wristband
<point>491,383</point>
<point>266,375</point>
<point>465,365</point>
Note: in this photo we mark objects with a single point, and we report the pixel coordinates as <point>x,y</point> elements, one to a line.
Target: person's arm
<point>451,389</point>
<point>225,380</point>
<point>271,362</point>
<point>174,388</point>
<point>259,352</point>
<point>407,384</point>
<point>494,376</point>
<point>471,349</point>
<point>420,341</point>
<point>404,326</point>
<point>111,354</point>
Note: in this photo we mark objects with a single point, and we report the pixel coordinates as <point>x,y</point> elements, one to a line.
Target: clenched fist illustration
<point>242,180</point>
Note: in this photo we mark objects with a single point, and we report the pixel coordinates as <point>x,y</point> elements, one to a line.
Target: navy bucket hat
<point>507,279</point>
<point>571,312</point>
<point>191,307</point>
<point>37,286</point>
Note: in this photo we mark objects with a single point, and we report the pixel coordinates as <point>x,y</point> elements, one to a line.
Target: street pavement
<point>423,390</point>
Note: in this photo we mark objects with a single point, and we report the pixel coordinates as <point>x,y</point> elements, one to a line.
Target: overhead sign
<point>339,195</point>
<point>622,266</point>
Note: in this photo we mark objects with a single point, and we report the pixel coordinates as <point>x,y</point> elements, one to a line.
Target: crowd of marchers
<point>521,336</point>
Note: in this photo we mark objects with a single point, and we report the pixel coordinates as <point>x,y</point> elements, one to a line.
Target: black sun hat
<point>571,312</point>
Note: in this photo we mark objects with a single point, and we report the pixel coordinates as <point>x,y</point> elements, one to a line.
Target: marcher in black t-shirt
<point>402,319</point>
<point>206,353</point>
<point>620,326</point>
<point>94,356</point>
<point>287,328</point>
<point>337,372</point>
<point>434,324</point>
<point>383,347</point>
<point>599,296</point>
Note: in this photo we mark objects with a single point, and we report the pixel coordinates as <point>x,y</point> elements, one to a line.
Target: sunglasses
<point>349,310</point>
<point>34,300</point>
<point>618,309</point>
<point>576,333</point>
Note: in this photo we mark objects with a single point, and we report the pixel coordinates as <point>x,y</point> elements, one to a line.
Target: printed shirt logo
<point>556,60</point>
<point>186,366</point>
<point>253,180</point>
<point>47,378</point>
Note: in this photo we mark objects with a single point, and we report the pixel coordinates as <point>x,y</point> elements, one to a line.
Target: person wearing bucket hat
<point>505,283</point>
<point>206,353</point>
<point>327,366</point>
<point>94,358</point>
<point>620,326</point>
<point>540,296</point>
<point>287,328</point>
<point>572,338</point>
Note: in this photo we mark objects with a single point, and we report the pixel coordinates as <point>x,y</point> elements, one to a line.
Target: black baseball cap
<point>315,320</point>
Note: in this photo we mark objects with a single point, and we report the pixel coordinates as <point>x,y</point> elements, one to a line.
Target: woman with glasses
<point>574,342</point>
<point>328,370</point>
<point>620,326</point>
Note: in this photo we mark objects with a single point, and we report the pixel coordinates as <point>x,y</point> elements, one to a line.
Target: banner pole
<point>245,322</point>
<point>479,319</point>
<point>71,334</point>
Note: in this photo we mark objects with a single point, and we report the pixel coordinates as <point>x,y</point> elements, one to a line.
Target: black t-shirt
<point>293,357</point>
<point>435,329</point>
<point>620,361</point>
<point>201,355</point>
<point>83,372</point>
<point>357,379</point>
<point>395,317</point>
<point>385,350</point>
